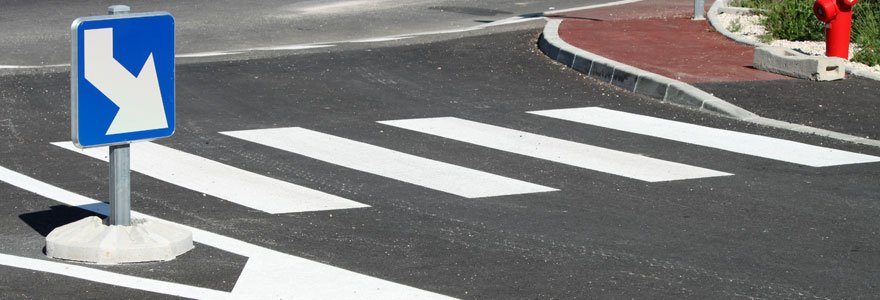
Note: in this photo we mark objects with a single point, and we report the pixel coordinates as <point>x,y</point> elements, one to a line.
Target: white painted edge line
<point>289,47</point>
<point>381,39</point>
<point>110,278</point>
<point>432,174</point>
<point>222,181</point>
<point>594,6</point>
<point>511,20</point>
<point>207,54</point>
<point>32,66</point>
<point>268,274</point>
<point>575,154</point>
<point>710,103</point>
<point>733,141</point>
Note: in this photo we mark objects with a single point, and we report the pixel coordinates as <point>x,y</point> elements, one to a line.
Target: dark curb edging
<point>662,88</point>
<point>633,79</point>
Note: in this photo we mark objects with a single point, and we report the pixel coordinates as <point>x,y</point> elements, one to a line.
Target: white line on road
<point>222,181</point>
<point>557,150</point>
<point>507,21</point>
<point>207,54</point>
<point>268,274</point>
<point>32,66</point>
<point>594,6</point>
<point>744,143</point>
<point>105,277</point>
<point>420,171</point>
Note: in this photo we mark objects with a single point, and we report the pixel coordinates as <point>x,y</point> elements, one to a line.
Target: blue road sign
<point>122,78</point>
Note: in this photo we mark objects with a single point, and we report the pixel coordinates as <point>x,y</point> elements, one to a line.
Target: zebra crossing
<point>276,196</point>
<point>743,143</point>
<point>222,181</point>
<point>465,182</point>
<point>272,274</point>
<point>556,150</point>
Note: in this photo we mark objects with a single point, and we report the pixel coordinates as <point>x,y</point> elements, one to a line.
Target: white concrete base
<point>89,240</point>
<point>787,62</point>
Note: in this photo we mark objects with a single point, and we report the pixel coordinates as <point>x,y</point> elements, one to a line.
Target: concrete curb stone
<point>633,79</point>
<point>662,88</point>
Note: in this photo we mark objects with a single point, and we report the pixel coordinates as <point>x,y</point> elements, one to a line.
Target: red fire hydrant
<point>837,15</point>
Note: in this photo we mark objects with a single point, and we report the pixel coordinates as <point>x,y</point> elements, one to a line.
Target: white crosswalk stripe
<point>268,274</point>
<point>557,150</point>
<point>222,181</point>
<point>416,170</point>
<point>744,143</point>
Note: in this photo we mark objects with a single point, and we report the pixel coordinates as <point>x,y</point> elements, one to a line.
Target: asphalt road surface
<point>37,33</point>
<point>458,167</point>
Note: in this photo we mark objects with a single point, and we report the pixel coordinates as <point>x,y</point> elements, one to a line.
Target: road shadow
<point>43,222</point>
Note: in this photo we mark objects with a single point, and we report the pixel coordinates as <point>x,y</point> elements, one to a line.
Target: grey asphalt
<point>849,106</point>
<point>37,32</point>
<point>773,230</point>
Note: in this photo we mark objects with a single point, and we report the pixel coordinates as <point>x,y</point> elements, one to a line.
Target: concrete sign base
<point>90,240</point>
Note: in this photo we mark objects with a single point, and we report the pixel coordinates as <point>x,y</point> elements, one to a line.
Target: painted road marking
<point>364,157</point>
<point>744,143</point>
<point>507,21</point>
<point>268,274</point>
<point>100,276</point>
<point>222,181</point>
<point>556,150</point>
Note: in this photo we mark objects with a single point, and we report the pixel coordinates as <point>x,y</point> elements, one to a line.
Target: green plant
<point>866,32</point>
<point>792,20</point>
<point>747,3</point>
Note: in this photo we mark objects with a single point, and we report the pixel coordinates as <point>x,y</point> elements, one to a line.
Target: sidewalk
<point>658,36</point>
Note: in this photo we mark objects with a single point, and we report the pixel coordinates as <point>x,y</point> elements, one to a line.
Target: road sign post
<point>699,7</point>
<point>122,92</point>
<point>120,185</point>
<point>120,168</point>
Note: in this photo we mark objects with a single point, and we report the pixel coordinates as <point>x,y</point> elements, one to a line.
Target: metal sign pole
<point>120,185</point>
<point>699,6</point>
<point>120,168</point>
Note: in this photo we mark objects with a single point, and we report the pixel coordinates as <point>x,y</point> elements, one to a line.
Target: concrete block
<point>548,48</point>
<point>565,57</point>
<point>651,88</point>
<point>624,79</point>
<point>543,45</point>
<point>683,94</point>
<point>582,64</point>
<point>787,62</point>
<point>89,240</point>
<point>602,72</point>
<point>731,10</point>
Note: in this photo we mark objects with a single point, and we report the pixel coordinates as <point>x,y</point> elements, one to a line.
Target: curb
<point>721,6</point>
<point>634,79</point>
<point>662,88</point>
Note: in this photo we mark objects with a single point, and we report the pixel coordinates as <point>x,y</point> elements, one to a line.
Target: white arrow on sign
<point>138,97</point>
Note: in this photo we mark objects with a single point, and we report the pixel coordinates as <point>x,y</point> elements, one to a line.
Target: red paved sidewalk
<point>659,36</point>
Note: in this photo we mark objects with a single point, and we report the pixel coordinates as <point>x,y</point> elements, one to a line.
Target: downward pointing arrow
<point>138,97</point>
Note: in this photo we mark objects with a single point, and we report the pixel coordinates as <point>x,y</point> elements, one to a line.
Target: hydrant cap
<point>826,10</point>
